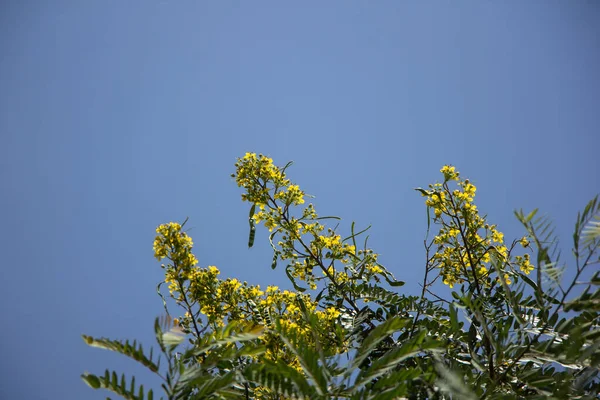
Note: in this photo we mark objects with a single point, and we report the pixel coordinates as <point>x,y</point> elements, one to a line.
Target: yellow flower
<point>376,269</point>
<point>486,258</point>
<point>332,313</point>
<point>470,207</point>
<point>270,224</point>
<point>524,241</point>
<point>272,289</point>
<point>292,308</point>
<point>342,277</point>
<point>255,291</point>
<point>449,172</point>
<point>470,190</point>
<point>525,264</point>
<point>330,242</point>
<point>450,281</point>
<point>234,283</point>
<point>497,237</point>
<point>502,250</point>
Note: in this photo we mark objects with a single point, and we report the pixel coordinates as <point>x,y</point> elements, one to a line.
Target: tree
<point>511,330</point>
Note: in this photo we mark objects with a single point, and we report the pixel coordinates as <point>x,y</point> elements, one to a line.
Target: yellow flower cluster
<point>524,263</point>
<point>292,195</point>
<point>254,172</point>
<point>449,172</point>
<point>170,242</point>
<point>302,238</point>
<point>175,245</point>
<point>466,244</point>
<point>271,218</point>
<point>338,276</point>
<point>333,245</point>
<point>223,301</point>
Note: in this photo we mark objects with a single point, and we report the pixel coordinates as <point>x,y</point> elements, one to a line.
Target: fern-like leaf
<point>591,232</point>
<point>587,226</point>
<point>396,355</point>
<point>378,334</point>
<point>194,385</point>
<point>131,350</point>
<point>110,381</point>
<point>280,378</point>
<point>232,333</point>
<point>308,358</point>
<point>453,384</point>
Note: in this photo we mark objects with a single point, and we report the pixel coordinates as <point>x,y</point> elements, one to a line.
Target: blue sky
<point>118,116</point>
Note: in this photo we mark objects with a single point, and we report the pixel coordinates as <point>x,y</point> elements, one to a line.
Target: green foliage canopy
<point>511,330</point>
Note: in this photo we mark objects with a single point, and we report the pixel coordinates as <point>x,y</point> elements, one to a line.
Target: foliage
<point>512,329</point>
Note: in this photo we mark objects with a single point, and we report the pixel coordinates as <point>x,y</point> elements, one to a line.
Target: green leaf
<point>232,333</point>
<point>281,378</point>
<point>531,215</point>
<point>395,283</point>
<point>173,338</point>
<point>293,280</point>
<point>91,380</point>
<point>408,349</point>
<point>453,383</point>
<point>308,358</point>
<point>110,381</point>
<point>375,337</point>
<point>454,323</point>
<point>535,287</point>
<point>203,384</point>
<point>424,192</point>
<point>390,279</point>
<point>167,334</point>
<point>591,231</point>
<point>131,350</point>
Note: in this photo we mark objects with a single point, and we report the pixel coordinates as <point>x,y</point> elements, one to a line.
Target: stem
<point>424,288</point>
<point>487,339</point>
<point>284,216</point>
<point>189,307</point>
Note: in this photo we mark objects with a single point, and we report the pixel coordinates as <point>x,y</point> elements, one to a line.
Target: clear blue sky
<point>116,116</point>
